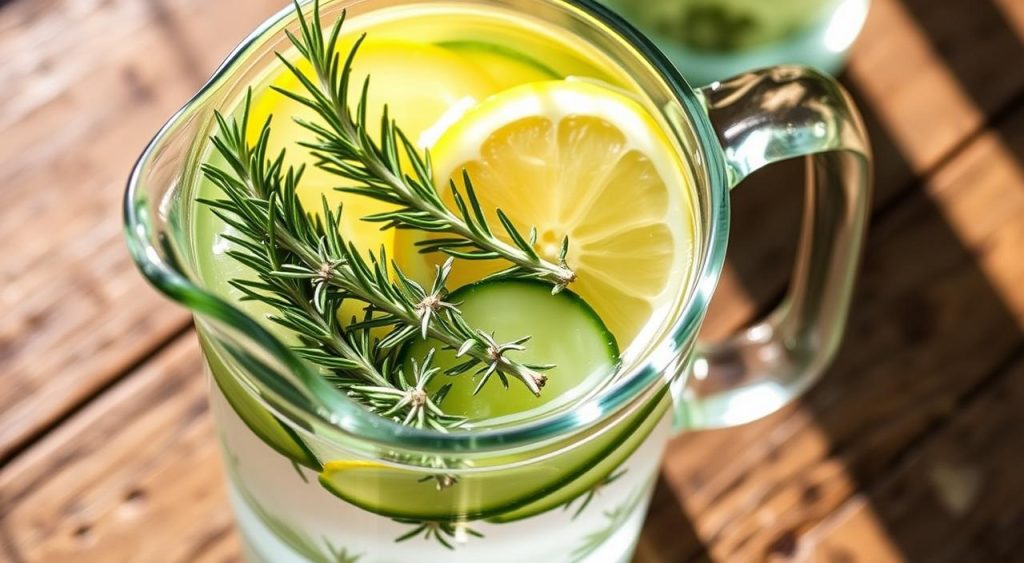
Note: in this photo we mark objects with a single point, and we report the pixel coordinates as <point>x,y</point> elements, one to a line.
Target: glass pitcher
<point>315,477</point>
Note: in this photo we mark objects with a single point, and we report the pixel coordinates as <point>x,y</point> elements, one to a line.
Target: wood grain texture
<point>782,487</point>
<point>919,116</point>
<point>135,476</point>
<point>965,478</point>
<point>939,308</point>
<point>934,74</point>
<point>94,82</point>
<point>103,108</point>
<point>928,78</point>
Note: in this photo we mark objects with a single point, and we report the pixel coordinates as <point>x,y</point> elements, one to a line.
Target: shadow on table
<point>928,334</point>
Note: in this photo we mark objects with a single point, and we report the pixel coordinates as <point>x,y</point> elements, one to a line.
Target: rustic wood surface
<point>909,449</point>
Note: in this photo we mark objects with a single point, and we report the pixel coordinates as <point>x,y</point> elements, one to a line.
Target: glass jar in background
<point>710,40</point>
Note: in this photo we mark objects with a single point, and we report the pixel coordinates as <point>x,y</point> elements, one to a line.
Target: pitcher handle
<point>763,117</point>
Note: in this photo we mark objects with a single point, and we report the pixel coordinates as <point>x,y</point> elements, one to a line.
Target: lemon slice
<point>577,159</point>
<point>419,82</point>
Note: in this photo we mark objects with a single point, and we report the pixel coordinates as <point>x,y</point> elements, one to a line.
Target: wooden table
<point>910,448</point>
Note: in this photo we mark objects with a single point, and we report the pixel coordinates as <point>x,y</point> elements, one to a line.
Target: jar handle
<point>763,117</point>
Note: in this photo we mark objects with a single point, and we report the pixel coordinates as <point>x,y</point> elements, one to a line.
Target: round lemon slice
<point>419,83</point>
<point>576,159</point>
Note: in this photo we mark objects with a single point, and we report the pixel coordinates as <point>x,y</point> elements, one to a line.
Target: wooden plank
<point>117,131</point>
<point>935,72</point>
<point>94,83</point>
<point>1013,15</point>
<point>135,476</point>
<point>125,443</point>
<point>902,79</point>
<point>925,84</point>
<point>91,490</point>
<point>668,536</point>
<point>228,550</point>
<point>963,485</point>
<point>938,308</point>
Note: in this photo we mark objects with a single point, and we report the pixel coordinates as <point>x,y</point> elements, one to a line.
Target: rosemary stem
<point>288,247</point>
<point>555,273</point>
<point>482,352</point>
<point>558,274</point>
<point>340,345</point>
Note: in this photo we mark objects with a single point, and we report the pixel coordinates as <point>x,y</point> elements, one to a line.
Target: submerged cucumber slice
<point>499,496</point>
<point>263,424</point>
<point>566,332</point>
<point>505,66</point>
<point>603,463</point>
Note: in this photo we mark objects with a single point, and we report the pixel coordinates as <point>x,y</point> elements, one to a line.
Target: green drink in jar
<point>712,39</point>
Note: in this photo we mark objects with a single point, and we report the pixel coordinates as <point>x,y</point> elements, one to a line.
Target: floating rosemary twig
<point>306,269</point>
<point>345,147</point>
<point>274,238</point>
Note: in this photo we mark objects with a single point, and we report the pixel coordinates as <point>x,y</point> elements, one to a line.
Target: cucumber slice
<point>263,424</point>
<point>566,332</point>
<point>498,496</point>
<point>505,67</point>
<point>587,476</point>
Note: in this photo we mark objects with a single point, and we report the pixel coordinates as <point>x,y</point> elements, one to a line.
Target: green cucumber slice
<point>498,496</point>
<point>584,346</point>
<point>263,424</point>
<point>587,476</point>
<point>564,331</point>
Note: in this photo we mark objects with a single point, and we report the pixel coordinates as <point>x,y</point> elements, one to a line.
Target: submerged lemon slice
<point>577,159</point>
<point>419,82</point>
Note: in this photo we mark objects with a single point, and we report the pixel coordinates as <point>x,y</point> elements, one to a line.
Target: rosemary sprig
<point>445,533</point>
<point>592,493</point>
<point>344,147</point>
<point>306,269</point>
<point>348,356</point>
<point>421,408</point>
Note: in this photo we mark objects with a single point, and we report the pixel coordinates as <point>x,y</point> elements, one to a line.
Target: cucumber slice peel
<point>274,433</point>
<point>505,66</point>
<point>507,307</point>
<point>499,497</point>
<point>564,331</point>
<point>602,464</point>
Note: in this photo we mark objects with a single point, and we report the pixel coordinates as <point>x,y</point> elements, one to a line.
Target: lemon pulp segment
<point>573,158</point>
